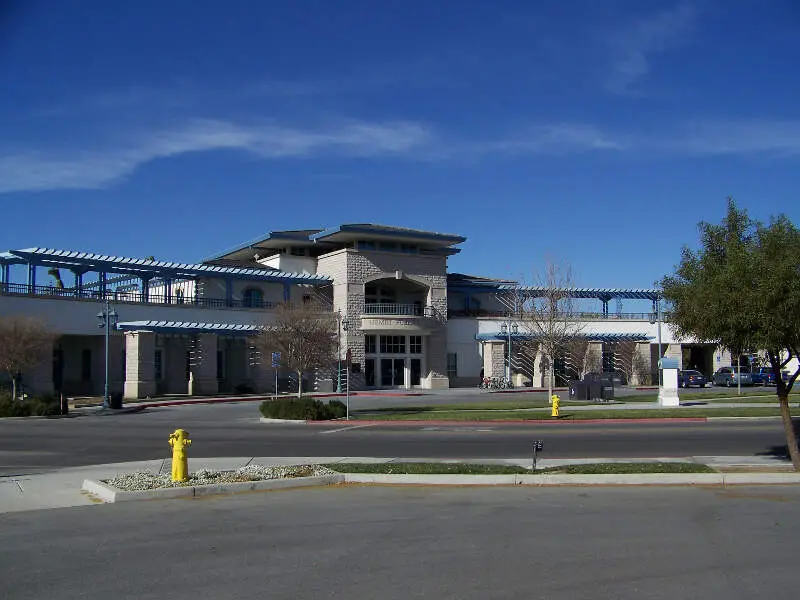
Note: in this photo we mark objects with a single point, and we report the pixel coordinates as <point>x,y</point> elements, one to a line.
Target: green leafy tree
<point>741,290</point>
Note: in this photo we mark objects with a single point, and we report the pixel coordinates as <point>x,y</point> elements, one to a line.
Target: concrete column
<point>203,370</point>
<point>494,359</point>
<point>140,347</point>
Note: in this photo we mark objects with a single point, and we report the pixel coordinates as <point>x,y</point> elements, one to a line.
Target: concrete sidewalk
<point>62,488</point>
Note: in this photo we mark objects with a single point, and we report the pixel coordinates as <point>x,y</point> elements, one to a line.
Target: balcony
<point>388,318</point>
<point>581,316</point>
<point>132,297</point>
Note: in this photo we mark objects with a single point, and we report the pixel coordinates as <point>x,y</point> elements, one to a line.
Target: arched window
<point>253,298</point>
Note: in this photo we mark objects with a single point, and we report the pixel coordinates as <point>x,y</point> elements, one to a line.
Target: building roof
<point>363,231</point>
<point>265,244</point>
<point>187,327</point>
<point>142,267</point>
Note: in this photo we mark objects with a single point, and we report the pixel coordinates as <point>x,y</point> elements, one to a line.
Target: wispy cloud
<point>633,46</point>
<point>37,170</point>
<point>107,164</point>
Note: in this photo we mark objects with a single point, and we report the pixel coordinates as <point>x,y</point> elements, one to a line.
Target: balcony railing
<point>586,316</point>
<point>22,289</point>
<point>398,310</point>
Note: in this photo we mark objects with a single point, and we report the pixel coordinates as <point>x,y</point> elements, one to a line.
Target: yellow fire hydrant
<point>556,401</point>
<point>179,439</point>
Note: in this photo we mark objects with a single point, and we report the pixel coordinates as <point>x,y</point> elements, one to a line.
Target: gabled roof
<point>142,267</point>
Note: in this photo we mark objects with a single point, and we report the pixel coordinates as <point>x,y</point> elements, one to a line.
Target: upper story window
<point>387,246</point>
<point>379,294</point>
<point>298,252</point>
<point>253,298</point>
<point>362,245</point>
<point>409,248</point>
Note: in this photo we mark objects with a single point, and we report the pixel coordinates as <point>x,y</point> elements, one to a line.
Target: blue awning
<point>591,337</point>
<point>187,327</point>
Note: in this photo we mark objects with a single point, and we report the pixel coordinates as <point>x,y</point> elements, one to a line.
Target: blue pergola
<point>591,337</point>
<point>146,270</point>
<point>186,327</point>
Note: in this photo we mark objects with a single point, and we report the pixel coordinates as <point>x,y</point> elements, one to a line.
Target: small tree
<point>305,335</point>
<point>625,353</point>
<point>741,289</point>
<point>548,314</point>
<point>24,343</point>
<point>641,369</point>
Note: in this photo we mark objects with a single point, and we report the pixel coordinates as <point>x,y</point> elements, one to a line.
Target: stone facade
<point>351,269</point>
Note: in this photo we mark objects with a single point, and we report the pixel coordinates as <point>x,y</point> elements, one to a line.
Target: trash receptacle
<point>607,392</point>
<point>578,390</point>
<point>115,401</point>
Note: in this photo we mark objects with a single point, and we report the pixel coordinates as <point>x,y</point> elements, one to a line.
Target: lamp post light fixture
<point>507,329</point>
<point>107,319</point>
<point>655,317</point>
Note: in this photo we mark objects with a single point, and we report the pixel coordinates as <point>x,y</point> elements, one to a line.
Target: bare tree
<point>625,352</point>
<point>24,343</point>
<point>548,314</point>
<point>305,335</point>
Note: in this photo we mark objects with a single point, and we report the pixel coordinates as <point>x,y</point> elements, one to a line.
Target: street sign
<point>276,360</point>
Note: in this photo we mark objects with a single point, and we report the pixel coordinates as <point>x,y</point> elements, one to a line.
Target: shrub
<point>42,406</point>
<point>307,409</point>
<point>243,388</point>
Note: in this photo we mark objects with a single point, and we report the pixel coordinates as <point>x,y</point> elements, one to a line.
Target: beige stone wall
<point>350,269</point>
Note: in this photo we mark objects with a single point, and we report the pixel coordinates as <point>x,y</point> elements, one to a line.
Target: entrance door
<point>393,372</point>
<point>416,371</point>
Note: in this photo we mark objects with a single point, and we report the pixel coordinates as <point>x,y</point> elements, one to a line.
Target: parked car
<point>689,377</point>
<point>766,376</point>
<point>731,376</point>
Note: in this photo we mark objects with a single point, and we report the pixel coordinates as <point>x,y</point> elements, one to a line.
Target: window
<point>408,248</point>
<point>297,251</point>
<point>388,246</point>
<point>366,245</point>
<point>369,344</point>
<point>253,298</point>
<point>158,365</point>
<point>86,365</point>
<point>452,365</point>
<point>415,344</point>
<point>393,344</point>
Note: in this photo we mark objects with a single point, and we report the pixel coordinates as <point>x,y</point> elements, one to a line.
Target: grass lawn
<point>567,415</point>
<point>475,469</point>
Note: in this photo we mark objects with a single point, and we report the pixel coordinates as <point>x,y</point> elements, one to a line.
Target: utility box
<point>578,390</point>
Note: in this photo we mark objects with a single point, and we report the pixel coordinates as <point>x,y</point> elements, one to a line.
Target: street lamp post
<point>106,320</point>
<point>655,317</point>
<point>339,352</point>
<point>507,329</point>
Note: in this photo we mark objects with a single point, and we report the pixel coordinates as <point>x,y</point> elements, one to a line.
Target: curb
<point>396,423</point>
<point>288,421</point>
<point>111,494</point>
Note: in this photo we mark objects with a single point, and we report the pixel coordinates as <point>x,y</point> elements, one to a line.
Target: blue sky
<point>595,133</point>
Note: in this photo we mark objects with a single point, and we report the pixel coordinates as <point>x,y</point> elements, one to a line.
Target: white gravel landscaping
<point>147,480</point>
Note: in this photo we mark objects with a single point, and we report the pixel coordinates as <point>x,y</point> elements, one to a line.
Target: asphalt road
<point>409,542</point>
<point>28,446</point>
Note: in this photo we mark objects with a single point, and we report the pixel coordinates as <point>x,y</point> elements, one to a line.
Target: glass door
<point>393,372</point>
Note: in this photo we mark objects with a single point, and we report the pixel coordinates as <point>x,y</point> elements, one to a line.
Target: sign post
<point>276,362</point>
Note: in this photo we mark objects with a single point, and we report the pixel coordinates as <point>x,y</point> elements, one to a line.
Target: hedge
<point>43,406</point>
<point>306,409</point>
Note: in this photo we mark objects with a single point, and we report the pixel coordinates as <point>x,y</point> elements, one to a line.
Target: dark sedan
<point>692,378</point>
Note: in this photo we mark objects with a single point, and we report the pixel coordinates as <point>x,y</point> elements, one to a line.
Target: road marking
<point>346,428</point>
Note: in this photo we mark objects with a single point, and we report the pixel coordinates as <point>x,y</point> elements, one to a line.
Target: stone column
<point>203,370</point>
<point>140,351</point>
<point>494,364</point>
